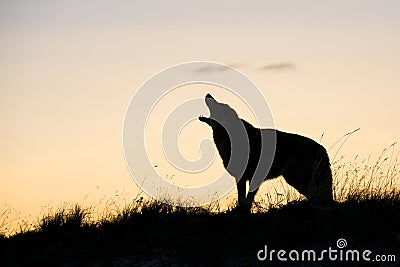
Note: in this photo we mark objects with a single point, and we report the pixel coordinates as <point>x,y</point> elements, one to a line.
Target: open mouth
<point>205,119</point>
<point>209,101</point>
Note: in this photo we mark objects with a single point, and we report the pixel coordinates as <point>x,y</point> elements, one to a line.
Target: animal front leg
<point>250,198</point>
<point>241,188</point>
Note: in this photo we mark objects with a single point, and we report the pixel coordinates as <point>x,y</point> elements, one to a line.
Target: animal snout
<point>209,96</point>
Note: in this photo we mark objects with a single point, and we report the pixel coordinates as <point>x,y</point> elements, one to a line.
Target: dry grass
<point>366,180</point>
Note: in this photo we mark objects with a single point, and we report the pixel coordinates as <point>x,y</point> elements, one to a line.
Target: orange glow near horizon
<point>67,78</point>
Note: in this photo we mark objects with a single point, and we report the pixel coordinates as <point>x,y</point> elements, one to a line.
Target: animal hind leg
<point>297,175</point>
<point>323,181</point>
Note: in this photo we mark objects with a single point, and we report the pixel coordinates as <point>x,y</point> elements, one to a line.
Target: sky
<point>69,70</point>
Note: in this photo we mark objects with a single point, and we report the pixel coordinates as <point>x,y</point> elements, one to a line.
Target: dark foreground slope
<point>160,235</point>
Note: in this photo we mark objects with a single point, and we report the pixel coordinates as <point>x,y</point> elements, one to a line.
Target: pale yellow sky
<point>68,71</point>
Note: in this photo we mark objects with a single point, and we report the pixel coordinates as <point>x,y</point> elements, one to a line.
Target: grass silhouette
<point>147,232</point>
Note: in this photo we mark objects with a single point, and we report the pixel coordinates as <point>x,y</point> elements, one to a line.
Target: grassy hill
<point>366,217</point>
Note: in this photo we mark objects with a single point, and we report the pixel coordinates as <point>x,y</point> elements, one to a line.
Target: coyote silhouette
<point>302,162</point>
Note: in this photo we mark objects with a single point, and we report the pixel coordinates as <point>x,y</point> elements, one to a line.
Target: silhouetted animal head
<point>220,113</point>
